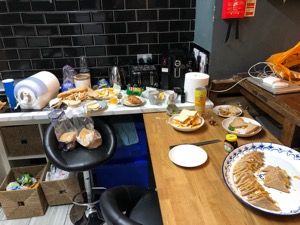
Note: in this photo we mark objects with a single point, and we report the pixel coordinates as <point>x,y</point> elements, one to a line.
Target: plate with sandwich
<point>186,121</point>
<point>241,126</point>
<point>264,176</point>
<point>227,110</point>
<point>133,101</point>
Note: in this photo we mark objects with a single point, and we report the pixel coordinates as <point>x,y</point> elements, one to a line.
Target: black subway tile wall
<point>40,35</point>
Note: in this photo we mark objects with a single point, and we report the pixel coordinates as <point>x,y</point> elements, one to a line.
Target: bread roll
<point>68,137</point>
<point>89,138</point>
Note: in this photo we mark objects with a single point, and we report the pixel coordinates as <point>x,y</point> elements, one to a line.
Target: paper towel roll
<point>191,82</point>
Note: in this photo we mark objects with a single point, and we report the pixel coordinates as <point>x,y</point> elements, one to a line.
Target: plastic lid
<point>231,137</point>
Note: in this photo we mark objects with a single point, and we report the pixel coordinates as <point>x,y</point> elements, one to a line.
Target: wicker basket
<point>61,192</point>
<point>22,140</point>
<point>23,203</point>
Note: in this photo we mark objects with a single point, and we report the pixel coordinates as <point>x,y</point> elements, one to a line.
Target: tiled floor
<point>55,215</point>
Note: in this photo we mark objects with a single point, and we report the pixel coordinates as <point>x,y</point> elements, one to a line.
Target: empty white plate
<point>187,155</point>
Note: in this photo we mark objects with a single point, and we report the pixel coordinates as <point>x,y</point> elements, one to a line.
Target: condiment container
<point>200,100</point>
<point>230,142</point>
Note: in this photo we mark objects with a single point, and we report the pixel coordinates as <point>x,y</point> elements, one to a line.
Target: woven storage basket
<point>23,203</point>
<point>61,192</point>
<point>22,140</point>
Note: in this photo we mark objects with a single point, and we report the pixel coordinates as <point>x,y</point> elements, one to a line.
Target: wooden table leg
<point>287,132</point>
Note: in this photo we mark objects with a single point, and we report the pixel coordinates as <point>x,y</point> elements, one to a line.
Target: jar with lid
<point>230,142</point>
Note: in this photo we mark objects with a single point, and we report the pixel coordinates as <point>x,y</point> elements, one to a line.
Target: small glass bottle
<point>182,96</point>
<point>230,142</point>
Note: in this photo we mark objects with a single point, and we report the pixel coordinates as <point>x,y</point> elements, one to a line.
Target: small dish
<point>101,103</point>
<point>237,113</point>
<point>185,129</point>
<point>240,132</point>
<point>187,155</point>
<point>127,103</point>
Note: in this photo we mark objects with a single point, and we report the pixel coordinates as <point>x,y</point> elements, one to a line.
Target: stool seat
<point>140,204</point>
<point>81,158</point>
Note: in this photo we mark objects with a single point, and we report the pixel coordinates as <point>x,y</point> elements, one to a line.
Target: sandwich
<point>264,201</point>
<point>247,184</point>
<point>251,128</point>
<point>277,178</point>
<point>238,122</point>
<point>187,118</point>
<point>229,111</point>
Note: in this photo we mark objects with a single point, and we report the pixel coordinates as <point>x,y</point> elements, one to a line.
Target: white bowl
<point>185,129</point>
<point>240,132</point>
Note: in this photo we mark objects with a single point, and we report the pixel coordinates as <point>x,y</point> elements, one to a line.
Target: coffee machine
<point>174,65</point>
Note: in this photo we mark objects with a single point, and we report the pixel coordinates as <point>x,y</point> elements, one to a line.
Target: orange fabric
<point>284,62</point>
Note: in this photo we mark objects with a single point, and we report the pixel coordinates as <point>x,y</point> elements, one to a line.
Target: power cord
<point>266,71</point>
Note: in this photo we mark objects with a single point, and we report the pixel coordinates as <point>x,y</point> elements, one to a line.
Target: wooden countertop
<point>199,195</point>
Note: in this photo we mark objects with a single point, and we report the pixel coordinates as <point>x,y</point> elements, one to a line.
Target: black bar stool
<point>83,160</point>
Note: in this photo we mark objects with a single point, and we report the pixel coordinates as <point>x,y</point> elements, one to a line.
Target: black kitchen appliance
<point>143,76</point>
<point>174,65</point>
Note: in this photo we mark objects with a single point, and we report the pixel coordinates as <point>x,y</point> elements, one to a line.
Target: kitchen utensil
<point>199,143</point>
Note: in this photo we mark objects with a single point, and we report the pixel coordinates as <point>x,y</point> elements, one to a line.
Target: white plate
<point>216,110</point>
<point>185,129</point>
<point>187,155</point>
<point>275,155</point>
<point>127,103</point>
<point>240,132</point>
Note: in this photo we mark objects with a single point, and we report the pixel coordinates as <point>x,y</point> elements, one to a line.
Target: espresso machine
<point>174,65</point>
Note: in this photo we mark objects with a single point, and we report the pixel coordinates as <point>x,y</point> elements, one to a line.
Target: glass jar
<point>230,142</point>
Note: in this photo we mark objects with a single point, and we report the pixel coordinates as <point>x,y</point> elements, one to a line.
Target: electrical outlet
<point>144,57</point>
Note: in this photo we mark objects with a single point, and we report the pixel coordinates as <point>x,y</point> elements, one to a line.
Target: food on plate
<point>134,100</point>
<point>247,183</point>
<point>251,128</point>
<point>106,93</point>
<point>65,94</point>
<point>277,178</point>
<point>55,103</point>
<point>229,110</point>
<point>91,93</point>
<point>2,104</point>
<point>93,106</point>
<point>187,118</point>
<point>73,103</point>
<point>68,137</point>
<point>239,123</point>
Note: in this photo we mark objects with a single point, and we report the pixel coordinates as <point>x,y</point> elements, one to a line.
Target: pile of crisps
<point>106,93</point>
